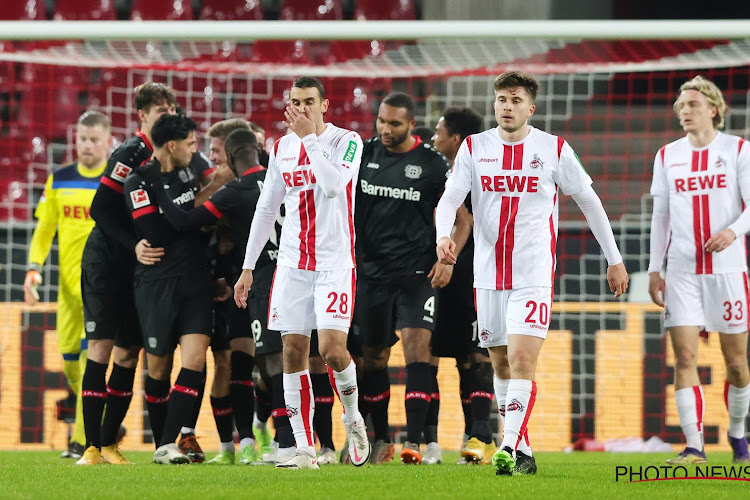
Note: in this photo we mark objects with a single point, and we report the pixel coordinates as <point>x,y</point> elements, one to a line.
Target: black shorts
<point>455,334</point>
<point>220,337</point>
<point>171,307</point>
<point>266,341</point>
<point>109,311</point>
<point>382,308</point>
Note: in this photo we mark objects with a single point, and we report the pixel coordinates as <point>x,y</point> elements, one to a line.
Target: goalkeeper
<point>64,210</point>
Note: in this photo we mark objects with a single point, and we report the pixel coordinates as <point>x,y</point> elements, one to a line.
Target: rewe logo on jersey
<point>510,183</point>
<point>298,178</point>
<point>390,192</point>
<point>699,183</point>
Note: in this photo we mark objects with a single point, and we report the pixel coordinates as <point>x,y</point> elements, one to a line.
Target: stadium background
<point>605,371</point>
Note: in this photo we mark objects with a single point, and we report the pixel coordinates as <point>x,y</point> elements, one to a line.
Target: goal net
<point>605,371</point>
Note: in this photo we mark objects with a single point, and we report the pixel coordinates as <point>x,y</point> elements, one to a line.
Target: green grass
<point>578,475</point>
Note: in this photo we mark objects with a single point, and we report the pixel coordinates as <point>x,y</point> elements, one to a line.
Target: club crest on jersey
<point>140,198</point>
<point>274,316</point>
<point>291,411</point>
<point>515,405</point>
<point>152,342</point>
<point>485,335</point>
<point>413,171</point>
<point>720,162</point>
<point>185,174</point>
<point>536,162</point>
<point>120,171</point>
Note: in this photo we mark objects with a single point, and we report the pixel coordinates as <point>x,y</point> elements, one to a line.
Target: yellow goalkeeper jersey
<point>64,208</point>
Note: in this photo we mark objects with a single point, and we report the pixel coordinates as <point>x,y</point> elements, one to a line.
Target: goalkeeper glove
<point>30,285</point>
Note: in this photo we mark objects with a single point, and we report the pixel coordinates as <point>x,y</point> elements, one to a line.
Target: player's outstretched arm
<point>592,209</point>
<point>242,287</point>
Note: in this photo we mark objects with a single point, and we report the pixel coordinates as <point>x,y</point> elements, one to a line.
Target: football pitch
<point>577,475</point>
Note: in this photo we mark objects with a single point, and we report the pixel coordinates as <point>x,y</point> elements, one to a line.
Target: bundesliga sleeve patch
<point>351,150</point>
<point>120,171</point>
<point>140,198</point>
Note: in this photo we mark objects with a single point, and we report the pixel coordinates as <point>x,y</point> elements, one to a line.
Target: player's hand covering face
<point>513,107</point>
<point>694,111</point>
<point>394,125</point>
<point>304,113</point>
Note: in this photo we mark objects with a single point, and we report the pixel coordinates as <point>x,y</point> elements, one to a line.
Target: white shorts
<point>303,300</point>
<point>716,302</point>
<point>523,311</point>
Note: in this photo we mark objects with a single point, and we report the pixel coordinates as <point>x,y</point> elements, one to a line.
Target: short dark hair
<point>401,100</point>
<point>423,132</point>
<point>512,79</point>
<point>94,118</point>
<point>462,121</point>
<point>153,93</point>
<point>241,147</point>
<point>306,82</point>
<point>171,128</point>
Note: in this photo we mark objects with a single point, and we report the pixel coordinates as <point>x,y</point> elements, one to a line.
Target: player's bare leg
<point>521,354</point>
<point>343,376</point>
<point>736,392</point>
<point>416,343</point>
<point>688,393</point>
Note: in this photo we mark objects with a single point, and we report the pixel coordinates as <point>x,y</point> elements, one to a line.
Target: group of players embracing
<point>158,269</point>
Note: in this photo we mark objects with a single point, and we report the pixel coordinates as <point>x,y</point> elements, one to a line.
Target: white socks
<point>690,408</point>
<point>300,406</point>
<point>738,402</point>
<point>346,388</point>
<point>519,403</point>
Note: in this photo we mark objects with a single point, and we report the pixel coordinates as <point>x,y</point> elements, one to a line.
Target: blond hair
<point>220,130</point>
<point>713,95</point>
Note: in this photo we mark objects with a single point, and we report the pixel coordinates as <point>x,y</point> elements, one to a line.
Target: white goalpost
<point>607,87</point>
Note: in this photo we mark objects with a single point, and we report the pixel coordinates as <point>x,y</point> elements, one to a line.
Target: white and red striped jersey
<point>318,231</point>
<point>704,188</point>
<point>514,200</point>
